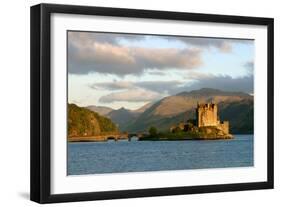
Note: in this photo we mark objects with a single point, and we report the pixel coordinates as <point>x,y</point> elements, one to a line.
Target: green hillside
<point>83,122</point>
<point>240,116</point>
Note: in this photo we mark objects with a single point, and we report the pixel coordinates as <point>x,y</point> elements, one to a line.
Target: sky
<point>130,70</point>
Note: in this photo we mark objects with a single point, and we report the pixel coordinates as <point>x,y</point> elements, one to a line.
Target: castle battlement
<point>207,105</point>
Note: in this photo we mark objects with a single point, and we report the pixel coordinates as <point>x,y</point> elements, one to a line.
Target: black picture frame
<point>41,95</point>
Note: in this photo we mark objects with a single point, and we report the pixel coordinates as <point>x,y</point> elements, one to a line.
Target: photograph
<point>153,102</point>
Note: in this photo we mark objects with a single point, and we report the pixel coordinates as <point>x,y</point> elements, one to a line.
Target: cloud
<point>249,67</point>
<point>132,95</point>
<point>222,82</point>
<point>151,90</point>
<point>156,72</point>
<point>198,80</point>
<point>222,44</point>
<point>101,52</point>
<point>166,87</point>
<point>115,85</point>
<point>92,37</point>
<point>160,86</point>
<point>120,60</point>
<point>249,64</point>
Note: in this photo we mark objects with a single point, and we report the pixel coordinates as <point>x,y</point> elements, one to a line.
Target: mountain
<point>236,107</point>
<point>143,108</point>
<point>209,92</point>
<point>83,122</point>
<point>102,110</point>
<point>122,117</point>
<point>239,114</point>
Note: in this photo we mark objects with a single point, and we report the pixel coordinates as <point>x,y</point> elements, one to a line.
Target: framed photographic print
<point>133,103</point>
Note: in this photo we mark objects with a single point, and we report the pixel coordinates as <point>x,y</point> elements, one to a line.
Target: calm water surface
<point>140,156</point>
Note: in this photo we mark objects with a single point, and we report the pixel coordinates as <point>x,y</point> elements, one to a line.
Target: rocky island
<point>206,126</point>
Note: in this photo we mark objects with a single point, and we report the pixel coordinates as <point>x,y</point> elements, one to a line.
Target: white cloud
<point>222,44</point>
<point>156,86</point>
<point>120,60</point>
<point>132,95</point>
<point>100,52</point>
<point>115,85</point>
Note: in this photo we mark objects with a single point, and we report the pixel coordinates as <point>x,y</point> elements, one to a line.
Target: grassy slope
<point>240,115</point>
<point>83,122</point>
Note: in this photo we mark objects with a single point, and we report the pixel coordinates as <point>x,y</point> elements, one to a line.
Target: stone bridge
<point>106,137</point>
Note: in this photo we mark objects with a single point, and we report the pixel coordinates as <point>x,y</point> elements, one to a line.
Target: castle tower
<point>207,114</point>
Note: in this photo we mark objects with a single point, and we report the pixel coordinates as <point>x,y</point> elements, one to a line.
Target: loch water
<point>140,156</point>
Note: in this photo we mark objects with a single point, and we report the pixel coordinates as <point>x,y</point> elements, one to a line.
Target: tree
<point>177,130</point>
<point>152,131</point>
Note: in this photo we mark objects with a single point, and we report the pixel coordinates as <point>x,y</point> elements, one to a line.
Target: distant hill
<point>102,110</point>
<point>83,122</point>
<point>209,92</point>
<point>239,114</point>
<point>143,108</point>
<point>236,107</point>
<point>122,117</point>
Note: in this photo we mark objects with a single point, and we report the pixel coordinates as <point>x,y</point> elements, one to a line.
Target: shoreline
<point>86,139</point>
<point>186,139</point>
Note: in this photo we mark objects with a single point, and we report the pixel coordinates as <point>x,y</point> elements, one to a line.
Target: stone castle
<point>207,115</point>
<point>206,125</point>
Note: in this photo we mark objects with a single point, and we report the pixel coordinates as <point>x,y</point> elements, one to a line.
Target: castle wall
<point>225,127</point>
<point>207,115</point>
